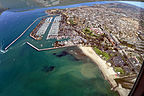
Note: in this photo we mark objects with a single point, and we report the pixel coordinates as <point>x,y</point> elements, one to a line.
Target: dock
<point>54,28</point>
<point>44,27</point>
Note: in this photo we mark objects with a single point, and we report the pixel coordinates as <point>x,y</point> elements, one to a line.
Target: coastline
<point>107,71</point>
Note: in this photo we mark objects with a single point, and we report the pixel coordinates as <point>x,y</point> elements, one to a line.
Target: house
<point>97,30</point>
<point>118,61</point>
<point>126,69</point>
<point>133,60</point>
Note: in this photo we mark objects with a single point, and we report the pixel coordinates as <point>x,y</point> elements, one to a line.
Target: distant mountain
<point>66,2</point>
<point>42,3</point>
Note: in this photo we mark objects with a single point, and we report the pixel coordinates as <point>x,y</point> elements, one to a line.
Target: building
<point>133,60</point>
<point>118,61</point>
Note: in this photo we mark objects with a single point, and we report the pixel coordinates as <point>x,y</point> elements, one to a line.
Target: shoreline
<point>107,71</point>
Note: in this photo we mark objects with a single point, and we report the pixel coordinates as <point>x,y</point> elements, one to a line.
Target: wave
<point>23,44</point>
<point>3,51</point>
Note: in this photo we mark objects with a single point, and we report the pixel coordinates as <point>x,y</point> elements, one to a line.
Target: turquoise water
<point>21,66</point>
<point>21,74</point>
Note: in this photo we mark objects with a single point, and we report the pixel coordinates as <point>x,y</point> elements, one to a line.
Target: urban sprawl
<point>114,31</point>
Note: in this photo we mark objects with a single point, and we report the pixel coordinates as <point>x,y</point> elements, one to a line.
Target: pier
<point>24,32</point>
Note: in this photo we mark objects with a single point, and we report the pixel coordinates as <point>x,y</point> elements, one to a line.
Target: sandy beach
<point>106,69</point>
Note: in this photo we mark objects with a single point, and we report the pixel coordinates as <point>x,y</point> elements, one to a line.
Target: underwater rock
<point>48,68</point>
<point>63,53</point>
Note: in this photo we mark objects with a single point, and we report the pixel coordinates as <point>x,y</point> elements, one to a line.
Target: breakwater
<point>46,48</point>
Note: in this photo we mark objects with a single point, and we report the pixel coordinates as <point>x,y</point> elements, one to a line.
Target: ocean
<point>22,69</point>
<point>21,74</point>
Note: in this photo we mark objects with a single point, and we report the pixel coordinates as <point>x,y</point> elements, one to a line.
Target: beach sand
<point>107,71</point>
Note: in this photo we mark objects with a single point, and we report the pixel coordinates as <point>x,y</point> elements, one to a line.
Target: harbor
<point>40,30</point>
<point>23,32</point>
<point>46,31</point>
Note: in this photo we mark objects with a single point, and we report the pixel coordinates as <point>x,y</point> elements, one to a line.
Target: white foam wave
<point>3,51</point>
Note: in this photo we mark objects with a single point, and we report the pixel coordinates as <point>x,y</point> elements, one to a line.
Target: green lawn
<point>119,69</point>
<point>104,54</point>
<point>89,32</point>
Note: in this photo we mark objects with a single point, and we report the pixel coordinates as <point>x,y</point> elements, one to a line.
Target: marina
<point>44,27</point>
<point>53,33</point>
<point>41,28</point>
